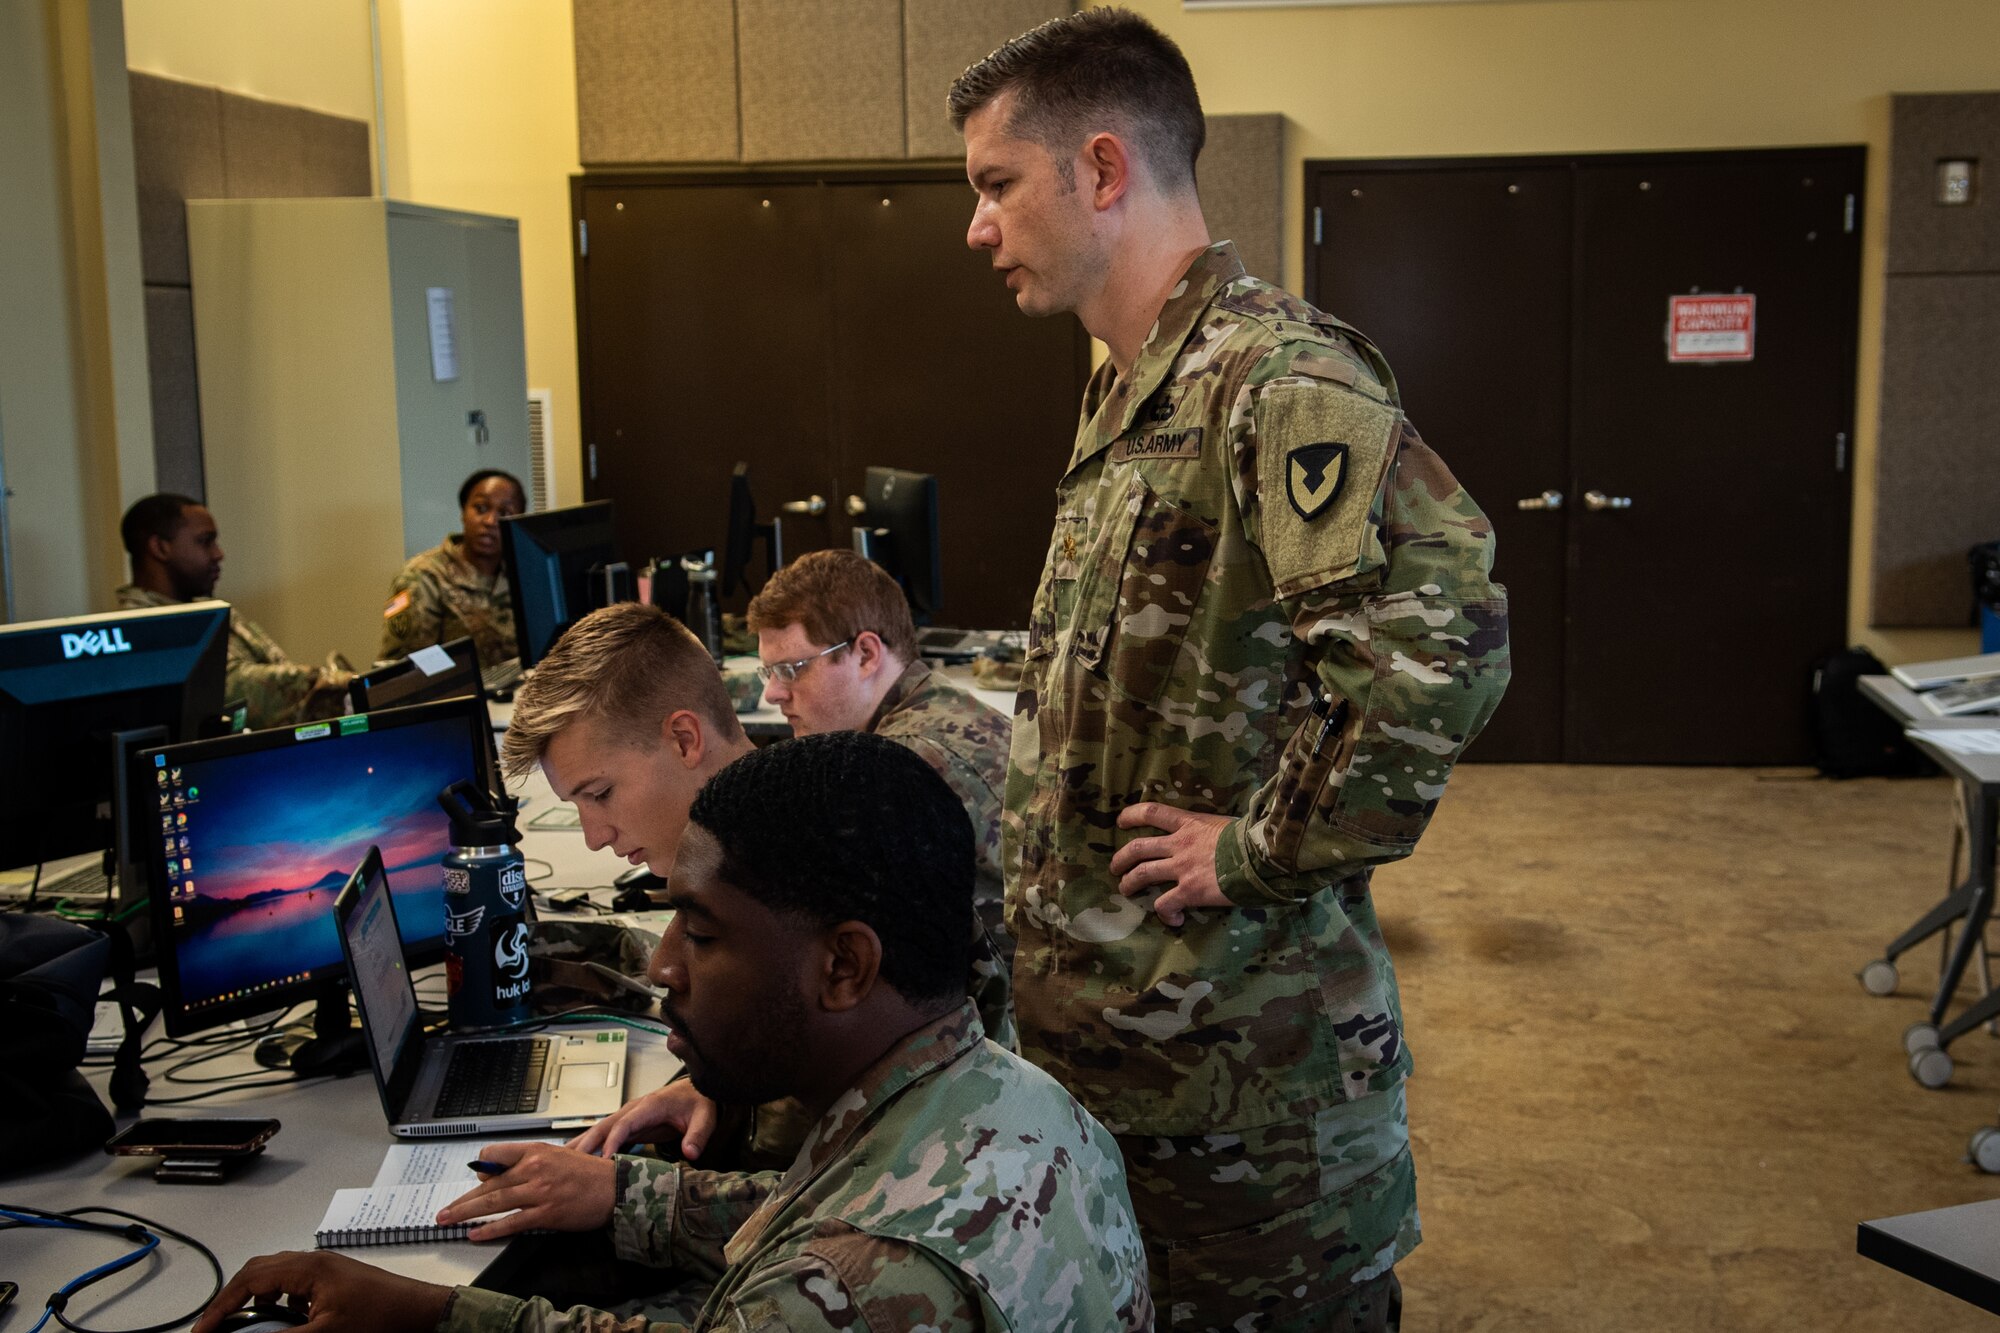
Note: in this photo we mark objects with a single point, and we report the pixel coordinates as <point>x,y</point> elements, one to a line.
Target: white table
<point>335,1134</point>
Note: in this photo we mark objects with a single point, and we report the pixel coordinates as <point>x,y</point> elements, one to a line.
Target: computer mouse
<point>636,888</point>
<point>260,1319</point>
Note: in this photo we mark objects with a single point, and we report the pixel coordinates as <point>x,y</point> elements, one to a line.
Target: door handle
<point>1599,500</point>
<point>1546,500</point>
<point>812,506</point>
<point>856,506</point>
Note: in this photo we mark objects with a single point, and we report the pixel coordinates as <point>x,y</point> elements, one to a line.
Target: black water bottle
<point>485,911</point>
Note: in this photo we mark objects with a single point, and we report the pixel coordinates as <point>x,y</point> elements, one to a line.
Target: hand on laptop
<point>556,1189</point>
<point>675,1108</point>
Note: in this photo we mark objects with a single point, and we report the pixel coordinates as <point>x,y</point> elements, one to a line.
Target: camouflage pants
<point>1290,1228</point>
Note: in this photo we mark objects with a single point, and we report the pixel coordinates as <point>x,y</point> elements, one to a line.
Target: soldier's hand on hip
<point>1184,856</point>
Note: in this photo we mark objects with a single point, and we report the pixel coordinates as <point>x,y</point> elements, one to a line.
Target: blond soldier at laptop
<point>177,557</point>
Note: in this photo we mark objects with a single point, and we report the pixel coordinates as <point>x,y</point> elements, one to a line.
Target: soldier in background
<point>840,654</point>
<point>458,586</point>
<point>817,952</point>
<point>176,557</point>
<point>1264,633</point>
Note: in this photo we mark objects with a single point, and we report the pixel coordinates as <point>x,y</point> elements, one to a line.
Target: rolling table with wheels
<point>1969,904</point>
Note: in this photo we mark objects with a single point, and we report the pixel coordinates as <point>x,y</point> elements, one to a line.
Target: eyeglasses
<point>789,671</point>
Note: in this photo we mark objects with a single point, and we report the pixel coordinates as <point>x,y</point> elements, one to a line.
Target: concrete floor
<point>1650,1093</point>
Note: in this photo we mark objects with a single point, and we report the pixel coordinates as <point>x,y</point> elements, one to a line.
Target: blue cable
<point>61,1298</point>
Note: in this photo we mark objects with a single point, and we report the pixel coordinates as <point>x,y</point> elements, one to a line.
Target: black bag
<point>50,971</point>
<point>1852,736</point>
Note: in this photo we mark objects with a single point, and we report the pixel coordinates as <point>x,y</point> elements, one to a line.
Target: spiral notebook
<point>401,1206</point>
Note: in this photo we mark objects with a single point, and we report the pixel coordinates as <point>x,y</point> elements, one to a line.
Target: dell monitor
<point>561,564</point>
<point>900,533</point>
<point>73,693</point>
<point>255,836</point>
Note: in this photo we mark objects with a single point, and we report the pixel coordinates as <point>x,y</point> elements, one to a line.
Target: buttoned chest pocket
<point>1152,584</point>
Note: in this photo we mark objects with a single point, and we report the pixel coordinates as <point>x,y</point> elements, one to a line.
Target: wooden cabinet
<point>334,448</point>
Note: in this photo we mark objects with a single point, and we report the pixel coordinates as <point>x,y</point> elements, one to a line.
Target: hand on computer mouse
<point>333,1291</point>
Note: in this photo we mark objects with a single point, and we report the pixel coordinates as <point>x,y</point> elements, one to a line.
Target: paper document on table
<point>558,816</point>
<point>399,1215</point>
<point>1961,742</point>
<point>438,1163</point>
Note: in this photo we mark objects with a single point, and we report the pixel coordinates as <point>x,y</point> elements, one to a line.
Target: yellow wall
<point>1606,75</point>
<point>481,115</point>
<point>310,53</point>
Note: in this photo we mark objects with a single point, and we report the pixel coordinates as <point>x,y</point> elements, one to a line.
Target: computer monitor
<point>442,671</point>
<point>258,833</point>
<point>899,531</point>
<point>561,564</point>
<point>740,544</point>
<point>69,688</point>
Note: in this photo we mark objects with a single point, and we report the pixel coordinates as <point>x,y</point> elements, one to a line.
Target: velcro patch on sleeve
<point>397,605</point>
<point>1321,453</point>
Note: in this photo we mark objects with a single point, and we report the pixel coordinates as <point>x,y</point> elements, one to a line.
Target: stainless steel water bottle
<point>485,911</point>
<point>704,612</point>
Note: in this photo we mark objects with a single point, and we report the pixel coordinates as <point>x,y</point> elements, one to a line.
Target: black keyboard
<point>493,1078</point>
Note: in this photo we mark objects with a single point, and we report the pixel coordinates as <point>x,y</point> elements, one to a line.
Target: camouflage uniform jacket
<point>966,742</point>
<point>440,596</point>
<point>275,690</point>
<point>1267,598</point>
<point>954,1188</point>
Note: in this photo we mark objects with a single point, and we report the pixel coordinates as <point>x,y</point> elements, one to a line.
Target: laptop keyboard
<point>501,675</point>
<point>493,1078</point>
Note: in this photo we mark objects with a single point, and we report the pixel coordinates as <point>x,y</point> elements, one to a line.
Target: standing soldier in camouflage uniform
<point>177,558</point>
<point>840,654</point>
<point>816,952</point>
<point>1265,632</point>
<point>457,587</point>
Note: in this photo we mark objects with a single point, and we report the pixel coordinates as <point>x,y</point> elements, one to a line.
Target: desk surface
<point>1956,1250</point>
<point>334,1136</point>
<point>1901,702</point>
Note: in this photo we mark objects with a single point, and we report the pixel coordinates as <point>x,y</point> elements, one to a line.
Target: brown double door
<point>1673,534</point>
<point>812,327</point>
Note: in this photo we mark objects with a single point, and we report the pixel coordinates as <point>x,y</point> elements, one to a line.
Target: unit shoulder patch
<point>1322,451</point>
<point>1314,475</point>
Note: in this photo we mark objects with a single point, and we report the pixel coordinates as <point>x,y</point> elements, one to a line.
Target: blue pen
<point>487,1168</point>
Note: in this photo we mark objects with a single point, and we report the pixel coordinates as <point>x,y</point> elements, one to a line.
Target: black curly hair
<point>847,826</point>
<point>487,474</point>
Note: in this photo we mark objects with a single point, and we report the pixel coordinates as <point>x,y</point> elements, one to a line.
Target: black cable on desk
<point>74,1219</point>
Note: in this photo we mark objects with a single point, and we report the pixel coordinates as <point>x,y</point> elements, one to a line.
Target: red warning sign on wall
<point>1711,328</point>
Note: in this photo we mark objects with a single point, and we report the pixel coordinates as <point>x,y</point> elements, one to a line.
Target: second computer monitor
<point>899,531</point>
<point>69,688</point>
<point>257,833</point>
<point>559,563</point>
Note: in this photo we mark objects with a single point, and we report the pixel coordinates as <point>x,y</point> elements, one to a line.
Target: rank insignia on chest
<point>1314,474</point>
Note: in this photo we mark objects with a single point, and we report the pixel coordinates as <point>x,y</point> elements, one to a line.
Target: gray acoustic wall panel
<point>1939,470</point>
<point>176,156</point>
<point>274,151</point>
<point>656,82</point>
<point>1241,174</point>
<point>1924,235</point>
<point>942,37</point>
<point>821,82</point>
<point>176,397</point>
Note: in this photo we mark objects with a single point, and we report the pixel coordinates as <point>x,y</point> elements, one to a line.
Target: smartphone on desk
<point>220,1136</point>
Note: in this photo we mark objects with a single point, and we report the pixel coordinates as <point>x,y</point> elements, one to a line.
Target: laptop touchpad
<point>573,1077</point>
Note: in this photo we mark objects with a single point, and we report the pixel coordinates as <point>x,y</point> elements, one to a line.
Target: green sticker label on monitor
<point>313,732</point>
<point>352,723</point>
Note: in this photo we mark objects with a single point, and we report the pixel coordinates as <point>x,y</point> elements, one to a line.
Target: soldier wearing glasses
<point>840,654</point>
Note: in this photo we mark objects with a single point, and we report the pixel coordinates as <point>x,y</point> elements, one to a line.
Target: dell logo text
<point>94,643</point>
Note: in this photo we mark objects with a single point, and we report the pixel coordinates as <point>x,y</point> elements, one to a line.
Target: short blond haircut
<point>836,595</point>
<point>628,666</point>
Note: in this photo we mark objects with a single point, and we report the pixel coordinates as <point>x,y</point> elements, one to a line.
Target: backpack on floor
<point>1852,736</point>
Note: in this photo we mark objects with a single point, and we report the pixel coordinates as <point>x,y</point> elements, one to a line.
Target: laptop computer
<point>438,1086</point>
